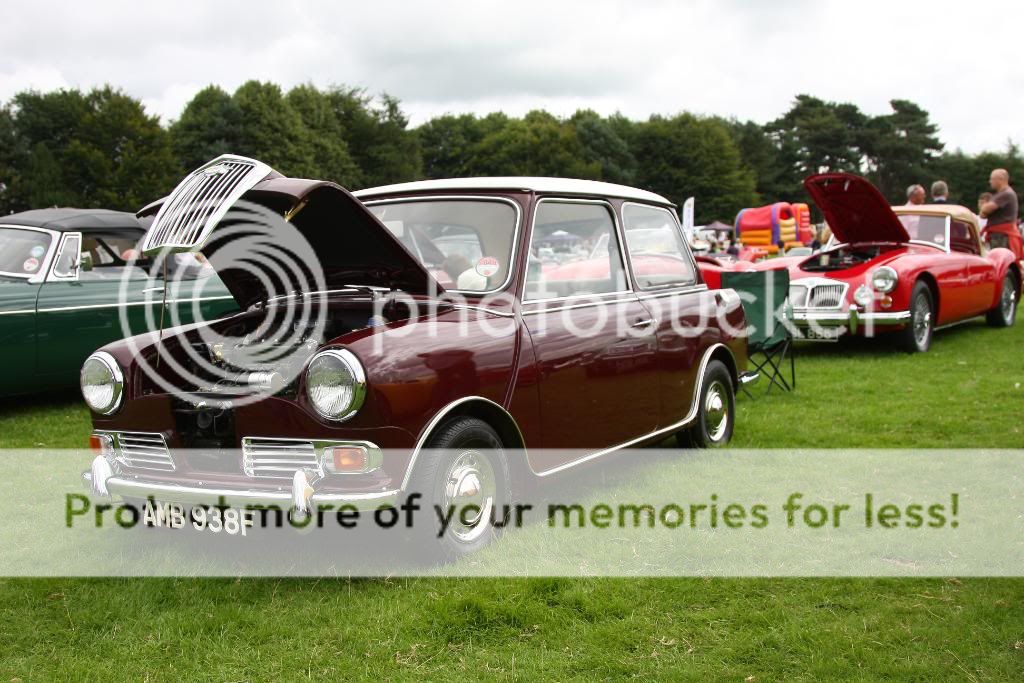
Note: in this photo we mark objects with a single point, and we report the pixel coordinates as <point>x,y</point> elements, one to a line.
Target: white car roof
<point>532,184</point>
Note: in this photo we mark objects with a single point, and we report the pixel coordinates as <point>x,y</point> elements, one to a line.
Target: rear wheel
<point>463,475</point>
<point>1005,313</point>
<point>716,410</point>
<point>917,336</point>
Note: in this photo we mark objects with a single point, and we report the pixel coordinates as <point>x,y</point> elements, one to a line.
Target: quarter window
<point>573,252</point>
<point>656,250</point>
<point>67,261</point>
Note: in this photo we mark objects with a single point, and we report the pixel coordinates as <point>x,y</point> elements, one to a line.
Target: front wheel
<point>463,478</point>
<point>716,414</point>
<point>917,336</point>
<point>1004,314</point>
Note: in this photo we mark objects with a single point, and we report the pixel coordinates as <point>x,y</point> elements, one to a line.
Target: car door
<point>597,374</point>
<point>664,275</point>
<point>981,273</point>
<point>81,309</point>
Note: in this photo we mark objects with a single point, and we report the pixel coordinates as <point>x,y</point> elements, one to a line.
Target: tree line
<point>101,149</point>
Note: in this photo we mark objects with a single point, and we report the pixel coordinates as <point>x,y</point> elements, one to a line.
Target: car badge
<point>219,169</point>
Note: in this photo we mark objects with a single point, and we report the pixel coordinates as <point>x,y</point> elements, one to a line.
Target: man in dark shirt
<point>1001,211</point>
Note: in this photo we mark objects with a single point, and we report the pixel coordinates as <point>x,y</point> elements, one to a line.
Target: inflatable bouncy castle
<point>767,226</point>
<point>804,231</point>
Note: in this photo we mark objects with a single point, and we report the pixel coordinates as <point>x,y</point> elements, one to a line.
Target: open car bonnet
<point>855,210</point>
<point>335,233</point>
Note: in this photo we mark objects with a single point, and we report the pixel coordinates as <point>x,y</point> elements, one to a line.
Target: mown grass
<point>965,393</point>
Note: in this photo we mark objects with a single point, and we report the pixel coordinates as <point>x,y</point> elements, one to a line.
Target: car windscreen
<point>924,228</point>
<point>465,244</point>
<point>22,252</point>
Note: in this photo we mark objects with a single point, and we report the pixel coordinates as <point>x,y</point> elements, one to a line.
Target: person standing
<point>1001,211</point>
<point>915,195</point>
<point>940,192</point>
<point>982,198</point>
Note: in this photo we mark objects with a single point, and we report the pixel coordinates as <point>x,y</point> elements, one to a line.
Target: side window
<point>65,267</point>
<point>573,252</point>
<point>961,238</point>
<point>656,250</point>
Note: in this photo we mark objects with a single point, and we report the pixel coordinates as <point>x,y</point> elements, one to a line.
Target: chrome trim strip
<point>174,493</point>
<point>690,416</point>
<point>484,198</point>
<point>24,310</point>
<point>586,304</point>
<point>658,432</point>
<point>804,315</point>
<point>440,415</point>
<point>131,303</point>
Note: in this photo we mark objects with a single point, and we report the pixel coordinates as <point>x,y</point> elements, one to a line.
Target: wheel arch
<point>489,412</point>
<point>724,354</point>
<point>933,286</point>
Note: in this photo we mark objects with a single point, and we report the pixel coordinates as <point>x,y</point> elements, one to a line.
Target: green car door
<point>23,261</point>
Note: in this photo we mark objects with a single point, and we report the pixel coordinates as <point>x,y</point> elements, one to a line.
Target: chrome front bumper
<point>852,319</point>
<point>303,496</point>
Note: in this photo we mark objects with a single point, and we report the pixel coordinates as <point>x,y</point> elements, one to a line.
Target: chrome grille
<point>817,294</point>
<point>143,451</point>
<point>276,458</point>
<point>193,209</point>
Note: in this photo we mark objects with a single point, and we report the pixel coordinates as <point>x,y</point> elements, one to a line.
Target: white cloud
<point>734,58</point>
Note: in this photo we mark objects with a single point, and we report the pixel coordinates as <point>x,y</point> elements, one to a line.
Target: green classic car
<point>66,274</point>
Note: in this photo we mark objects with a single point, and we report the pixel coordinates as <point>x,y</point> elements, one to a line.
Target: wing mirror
<point>85,263</point>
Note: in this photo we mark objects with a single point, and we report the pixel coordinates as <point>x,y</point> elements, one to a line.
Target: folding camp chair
<point>764,295</point>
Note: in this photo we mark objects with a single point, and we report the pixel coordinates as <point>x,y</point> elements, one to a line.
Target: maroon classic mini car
<point>390,383</point>
<point>905,269</point>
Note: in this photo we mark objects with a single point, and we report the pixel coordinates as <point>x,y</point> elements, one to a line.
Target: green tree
<point>538,144</point>
<point>687,155</point>
<point>774,182</point>
<point>603,145</point>
<point>95,149</point>
<point>272,131</point>
<point>331,157</point>
<point>448,144</point>
<point>378,137</point>
<point>815,136</point>
<point>209,126</point>
<point>899,147</point>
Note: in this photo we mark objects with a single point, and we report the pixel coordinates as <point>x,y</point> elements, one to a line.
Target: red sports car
<point>906,269</point>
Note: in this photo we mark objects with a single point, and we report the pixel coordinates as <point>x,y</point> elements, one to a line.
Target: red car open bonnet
<point>855,210</point>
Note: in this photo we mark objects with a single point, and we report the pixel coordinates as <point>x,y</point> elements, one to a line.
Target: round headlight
<point>102,383</point>
<point>864,296</point>
<point>336,384</point>
<point>884,279</point>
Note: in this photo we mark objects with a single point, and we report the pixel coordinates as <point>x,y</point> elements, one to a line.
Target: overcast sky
<point>959,60</point>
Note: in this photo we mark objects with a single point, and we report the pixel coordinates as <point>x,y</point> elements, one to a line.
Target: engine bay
<point>844,257</point>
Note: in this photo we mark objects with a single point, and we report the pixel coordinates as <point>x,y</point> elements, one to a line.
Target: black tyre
<point>1005,313</point>
<point>463,472</point>
<point>716,414</point>
<point>917,335</point>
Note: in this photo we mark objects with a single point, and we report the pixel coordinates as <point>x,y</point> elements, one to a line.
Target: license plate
<point>217,520</point>
<point>823,335</point>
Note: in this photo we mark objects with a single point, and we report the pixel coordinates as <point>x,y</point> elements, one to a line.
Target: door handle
<point>153,289</point>
<point>644,323</point>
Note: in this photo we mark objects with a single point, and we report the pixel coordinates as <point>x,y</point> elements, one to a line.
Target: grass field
<point>966,392</point>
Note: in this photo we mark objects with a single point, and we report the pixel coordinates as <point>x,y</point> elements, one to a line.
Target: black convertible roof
<point>83,220</point>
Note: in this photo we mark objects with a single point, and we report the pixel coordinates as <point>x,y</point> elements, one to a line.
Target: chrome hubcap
<point>922,320</point>
<point>716,411</point>
<point>469,495</point>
